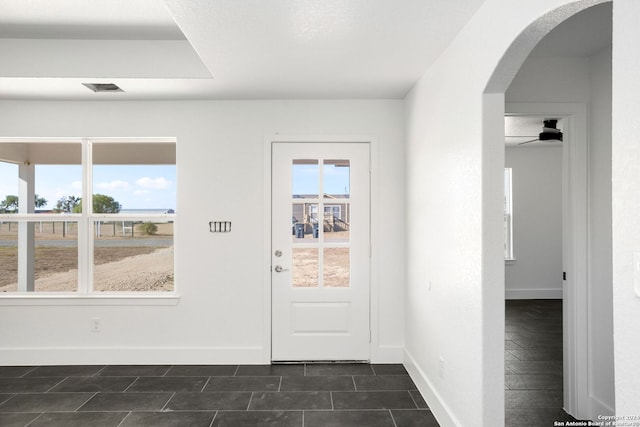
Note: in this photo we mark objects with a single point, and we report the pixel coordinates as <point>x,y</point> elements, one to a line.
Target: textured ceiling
<point>242,49</point>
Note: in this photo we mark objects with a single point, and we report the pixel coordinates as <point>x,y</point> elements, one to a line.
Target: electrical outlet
<point>96,324</point>
<point>441,367</point>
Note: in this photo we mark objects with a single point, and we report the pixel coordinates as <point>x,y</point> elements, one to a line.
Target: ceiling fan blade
<point>527,142</point>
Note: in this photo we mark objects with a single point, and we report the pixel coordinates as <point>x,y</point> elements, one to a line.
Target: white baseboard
<point>598,407</point>
<point>533,293</point>
<point>438,407</point>
<point>387,354</point>
<point>132,356</point>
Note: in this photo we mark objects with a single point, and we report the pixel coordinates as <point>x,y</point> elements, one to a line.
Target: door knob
<point>279,269</point>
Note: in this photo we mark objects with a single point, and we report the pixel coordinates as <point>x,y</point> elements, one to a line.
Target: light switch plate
<point>636,273</point>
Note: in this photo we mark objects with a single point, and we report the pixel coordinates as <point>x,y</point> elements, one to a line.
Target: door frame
<point>269,140</point>
<point>575,290</point>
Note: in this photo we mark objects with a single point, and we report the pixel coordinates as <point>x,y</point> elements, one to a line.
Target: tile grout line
<point>167,402</point>
<point>280,384</point>
<point>235,373</point>
<point>213,419</point>
<point>130,385</point>
<point>33,420</point>
<point>85,402</point>
<point>331,396</point>
<point>250,399</point>
<point>124,418</point>
<point>57,384</point>
<point>353,379</point>
<point>99,371</point>
<point>393,418</point>
<point>205,384</point>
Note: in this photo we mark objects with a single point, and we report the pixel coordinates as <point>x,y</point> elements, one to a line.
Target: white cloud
<point>113,185</point>
<point>141,192</point>
<point>155,183</point>
<point>76,185</point>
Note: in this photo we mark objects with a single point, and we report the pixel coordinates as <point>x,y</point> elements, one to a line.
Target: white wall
<point>220,316</point>
<point>626,204</point>
<point>536,272</point>
<point>455,159</point>
<point>600,237</point>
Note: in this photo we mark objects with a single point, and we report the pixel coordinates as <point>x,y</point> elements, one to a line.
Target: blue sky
<point>135,187</point>
<point>306,177</point>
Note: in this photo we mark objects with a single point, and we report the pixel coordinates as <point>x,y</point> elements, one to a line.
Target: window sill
<point>57,299</point>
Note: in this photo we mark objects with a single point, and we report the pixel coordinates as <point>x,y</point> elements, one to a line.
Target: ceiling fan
<point>550,132</point>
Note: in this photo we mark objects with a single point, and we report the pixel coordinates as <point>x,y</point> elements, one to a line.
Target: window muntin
<point>83,231</point>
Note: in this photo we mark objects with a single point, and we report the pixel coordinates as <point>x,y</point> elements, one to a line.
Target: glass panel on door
<point>304,267</point>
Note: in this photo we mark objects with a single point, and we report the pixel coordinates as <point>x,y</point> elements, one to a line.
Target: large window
<point>87,216</point>
<point>508,216</point>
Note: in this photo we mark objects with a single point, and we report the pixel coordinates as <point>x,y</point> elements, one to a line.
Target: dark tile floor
<point>533,353</point>
<point>211,395</point>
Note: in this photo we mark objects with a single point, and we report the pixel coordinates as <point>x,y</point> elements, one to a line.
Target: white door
<point>320,251</point>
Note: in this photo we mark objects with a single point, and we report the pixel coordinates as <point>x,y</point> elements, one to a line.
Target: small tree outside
<point>148,228</point>
<point>101,204</point>
<point>11,202</point>
<point>67,204</point>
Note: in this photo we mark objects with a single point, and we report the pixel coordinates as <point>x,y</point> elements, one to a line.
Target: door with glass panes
<point>320,251</point>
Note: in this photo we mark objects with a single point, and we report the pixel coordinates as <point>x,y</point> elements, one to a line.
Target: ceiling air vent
<point>103,87</point>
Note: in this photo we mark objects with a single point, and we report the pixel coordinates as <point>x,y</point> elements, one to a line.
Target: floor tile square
<point>28,385</point>
<point>271,370</point>
<point>65,371</point>
<point>338,369</point>
<point>42,402</point>
<point>533,382</point>
<point>79,419</point>
<point>390,369</point>
<point>17,419</point>
<point>94,384</point>
<point>533,399</point>
<point>127,402</point>
<point>174,384</point>
<point>348,419</point>
<point>134,370</point>
<point>209,401</point>
<point>534,367</point>
<point>14,371</point>
<point>290,400</point>
<point>414,418</point>
<point>318,383</point>
<point>373,400</point>
<point>244,383</point>
<point>258,418</point>
<point>384,382</point>
<point>202,371</point>
<point>169,419</point>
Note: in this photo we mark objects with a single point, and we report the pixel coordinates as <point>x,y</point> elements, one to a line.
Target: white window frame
<point>85,221</point>
<point>508,214</point>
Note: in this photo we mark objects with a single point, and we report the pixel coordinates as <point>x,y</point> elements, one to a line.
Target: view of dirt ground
<point>122,262</point>
<point>336,265</point>
<point>125,263</point>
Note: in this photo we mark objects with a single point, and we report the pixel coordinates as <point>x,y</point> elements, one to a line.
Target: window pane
<point>55,258</point>
<point>336,267</point>
<point>133,256</point>
<point>134,178</point>
<point>304,267</point>
<point>305,179</point>
<point>304,218</point>
<point>58,188</point>
<point>337,221</point>
<point>8,187</point>
<point>336,179</point>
